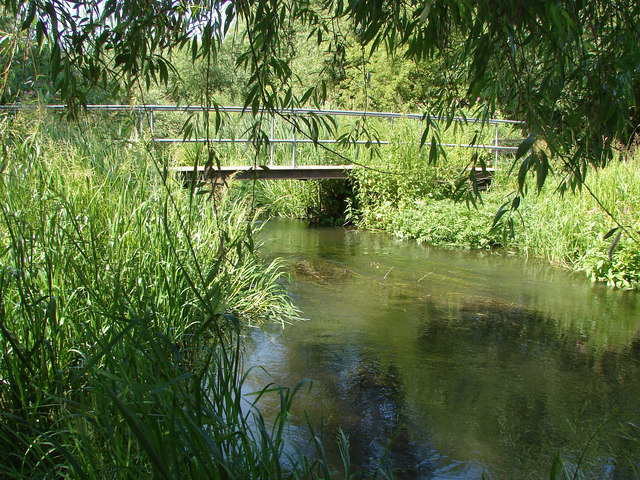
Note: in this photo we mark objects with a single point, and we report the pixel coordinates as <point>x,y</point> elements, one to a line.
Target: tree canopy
<point>570,70</point>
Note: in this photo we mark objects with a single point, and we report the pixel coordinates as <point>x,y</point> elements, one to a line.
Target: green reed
<point>123,300</point>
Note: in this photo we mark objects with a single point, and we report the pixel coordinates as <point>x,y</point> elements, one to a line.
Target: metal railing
<point>150,111</point>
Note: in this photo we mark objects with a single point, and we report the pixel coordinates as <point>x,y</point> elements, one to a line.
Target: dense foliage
<point>110,319</point>
<point>569,69</point>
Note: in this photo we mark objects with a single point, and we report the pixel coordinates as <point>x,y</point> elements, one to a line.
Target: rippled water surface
<point>476,363</point>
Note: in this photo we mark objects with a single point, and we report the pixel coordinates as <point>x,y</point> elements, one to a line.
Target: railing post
<point>151,121</point>
<point>271,144</point>
<point>293,149</point>
<point>140,122</point>
<point>495,162</point>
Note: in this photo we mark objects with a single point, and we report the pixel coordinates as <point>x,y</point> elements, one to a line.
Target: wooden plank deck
<point>265,172</point>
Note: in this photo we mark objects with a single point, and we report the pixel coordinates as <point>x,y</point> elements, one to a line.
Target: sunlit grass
<point>123,304</point>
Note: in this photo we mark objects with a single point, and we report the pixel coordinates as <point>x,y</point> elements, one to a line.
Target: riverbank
<point>410,197</point>
<point>569,230</point>
<point>123,301</point>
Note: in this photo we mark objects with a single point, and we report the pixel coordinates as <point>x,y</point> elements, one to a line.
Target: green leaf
<point>425,135</point>
<point>164,72</point>
<point>30,16</point>
<point>525,146</point>
<point>425,12</point>
<point>542,169</point>
<point>55,60</point>
<point>306,96</point>
<point>610,232</point>
<point>41,31</point>
<point>253,93</point>
<point>122,59</point>
<point>194,48</point>
<point>499,214</point>
<point>522,173</point>
<point>433,151</point>
<point>613,246</point>
<point>554,468</point>
<point>287,98</point>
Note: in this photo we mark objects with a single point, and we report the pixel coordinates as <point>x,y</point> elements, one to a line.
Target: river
<point>476,363</point>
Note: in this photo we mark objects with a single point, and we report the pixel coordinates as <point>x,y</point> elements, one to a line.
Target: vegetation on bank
<point>407,194</point>
<point>123,298</point>
<point>568,230</point>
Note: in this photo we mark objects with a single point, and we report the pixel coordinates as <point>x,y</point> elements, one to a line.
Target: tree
<point>570,70</point>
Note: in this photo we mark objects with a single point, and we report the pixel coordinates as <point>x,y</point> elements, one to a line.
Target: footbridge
<point>284,137</point>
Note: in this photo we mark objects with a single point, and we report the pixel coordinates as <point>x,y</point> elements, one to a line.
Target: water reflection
<point>475,362</point>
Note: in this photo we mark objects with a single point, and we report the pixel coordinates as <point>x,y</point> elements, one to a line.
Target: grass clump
<point>122,303</point>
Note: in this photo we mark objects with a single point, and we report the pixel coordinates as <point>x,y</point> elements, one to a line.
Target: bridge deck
<point>264,172</point>
<point>284,172</point>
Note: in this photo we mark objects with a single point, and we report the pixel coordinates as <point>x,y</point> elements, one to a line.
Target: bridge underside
<point>282,172</point>
<point>264,172</point>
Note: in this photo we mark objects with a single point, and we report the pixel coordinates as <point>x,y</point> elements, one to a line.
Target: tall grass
<point>577,224</point>
<point>122,304</point>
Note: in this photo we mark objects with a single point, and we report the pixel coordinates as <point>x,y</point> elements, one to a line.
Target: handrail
<point>289,111</point>
<point>322,141</point>
<point>150,109</point>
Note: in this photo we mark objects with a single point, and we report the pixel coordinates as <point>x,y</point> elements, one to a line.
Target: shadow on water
<point>473,363</point>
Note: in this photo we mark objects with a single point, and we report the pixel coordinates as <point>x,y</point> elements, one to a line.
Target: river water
<point>473,362</point>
